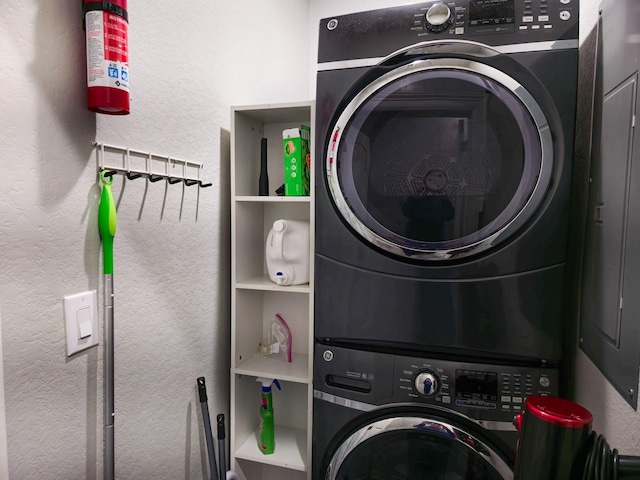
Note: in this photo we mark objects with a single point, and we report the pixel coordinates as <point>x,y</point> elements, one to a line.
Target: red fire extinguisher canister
<point>107,32</point>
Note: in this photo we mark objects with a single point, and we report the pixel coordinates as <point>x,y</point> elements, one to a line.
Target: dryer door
<point>406,447</point>
<point>439,158</point>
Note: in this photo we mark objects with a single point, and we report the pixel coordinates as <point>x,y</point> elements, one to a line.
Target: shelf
<point>255,298</point>
<point>259,366</point>
<point>273,198</point>
<point>263,282</point>
<point>298,112</point>
<point>290,452</point>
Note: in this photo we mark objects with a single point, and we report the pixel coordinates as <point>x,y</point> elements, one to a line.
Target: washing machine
<point>444,146</point>
<point>395,417</point>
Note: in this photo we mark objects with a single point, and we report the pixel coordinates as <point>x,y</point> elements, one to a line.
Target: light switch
<point>84,323</point>
<point>81,315</point>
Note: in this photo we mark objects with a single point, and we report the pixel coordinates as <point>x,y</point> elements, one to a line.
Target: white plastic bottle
<point>287,252</point>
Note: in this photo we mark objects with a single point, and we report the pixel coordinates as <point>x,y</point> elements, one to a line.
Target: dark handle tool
<point>202,392</point>
<point>221,450</point>
<point>263,185</point>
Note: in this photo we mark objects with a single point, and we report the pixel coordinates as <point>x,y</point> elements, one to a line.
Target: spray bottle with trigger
<point>266,439</point>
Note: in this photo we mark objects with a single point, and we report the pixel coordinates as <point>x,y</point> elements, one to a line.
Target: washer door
<point>439,158</point>
<point>415,448</point>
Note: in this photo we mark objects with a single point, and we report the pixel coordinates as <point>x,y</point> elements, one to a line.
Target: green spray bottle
<point>267,436</point>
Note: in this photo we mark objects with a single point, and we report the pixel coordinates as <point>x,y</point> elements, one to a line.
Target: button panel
<point>478,390</point>
<point>485,392</point>
<point>536,19</point>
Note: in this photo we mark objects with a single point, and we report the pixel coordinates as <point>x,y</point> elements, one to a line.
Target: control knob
<point>438,17</point>
<point>427,383</point>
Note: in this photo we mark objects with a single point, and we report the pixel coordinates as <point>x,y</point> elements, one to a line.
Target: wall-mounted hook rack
<point>189,173</point>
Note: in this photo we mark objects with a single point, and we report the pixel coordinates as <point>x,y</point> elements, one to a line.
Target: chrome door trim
<point>474,67</point>
<point>514,48</point>
<point>346,64</point>
<point>344,402</point>
<point>415,423</point>
<point>367,407</point>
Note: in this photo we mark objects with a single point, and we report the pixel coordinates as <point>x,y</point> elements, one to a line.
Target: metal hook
<point>189,181</point>
<point>155,178</point>
<point>110,173</point>
<point>173,180</point>
<point>106,179</point>
<point>205,185</point>
<point>133,176</point>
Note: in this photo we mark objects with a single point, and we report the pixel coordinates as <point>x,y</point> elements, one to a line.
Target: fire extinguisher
<point>107,30</point>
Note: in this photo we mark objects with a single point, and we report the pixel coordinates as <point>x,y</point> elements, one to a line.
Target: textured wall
<point>188,65</point>
<point>613,416</point>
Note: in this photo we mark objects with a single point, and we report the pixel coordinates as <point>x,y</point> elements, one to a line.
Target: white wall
<point>613,417</point>
<point>188,65</point>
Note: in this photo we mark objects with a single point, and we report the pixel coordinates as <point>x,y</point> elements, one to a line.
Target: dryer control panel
<point>478,390</point>
<point>379,33</point>
<point>540,18</point>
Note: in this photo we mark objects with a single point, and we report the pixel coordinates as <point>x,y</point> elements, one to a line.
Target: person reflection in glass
<point>428,212</point>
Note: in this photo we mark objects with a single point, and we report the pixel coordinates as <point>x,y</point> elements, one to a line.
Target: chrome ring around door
<point>483,70</point>
<point>414,423</point>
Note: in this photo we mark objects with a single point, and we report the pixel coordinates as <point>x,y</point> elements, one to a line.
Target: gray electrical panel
<point>610,297</point>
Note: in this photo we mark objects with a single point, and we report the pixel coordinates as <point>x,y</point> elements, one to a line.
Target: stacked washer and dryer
<point>444,149</point>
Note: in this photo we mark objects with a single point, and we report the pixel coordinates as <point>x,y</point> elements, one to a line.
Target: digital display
<point>476,389</point>
<point>491,12</point>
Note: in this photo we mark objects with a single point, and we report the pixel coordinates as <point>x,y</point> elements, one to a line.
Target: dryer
<point>444,146</point>
<point>384,416</point>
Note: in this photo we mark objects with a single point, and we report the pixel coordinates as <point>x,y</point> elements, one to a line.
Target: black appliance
<point>444,146</point>
<point>384,416</point>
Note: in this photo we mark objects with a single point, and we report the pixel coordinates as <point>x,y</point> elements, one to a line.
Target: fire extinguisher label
<point>107,51</point>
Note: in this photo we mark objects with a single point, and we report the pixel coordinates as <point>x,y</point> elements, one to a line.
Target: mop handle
<point>222,455</point>
<point>202,392</point>
<point>107,222</point>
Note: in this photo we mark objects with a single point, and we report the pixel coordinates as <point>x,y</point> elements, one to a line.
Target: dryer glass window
<point>439,159</point>
<point>429,451</point>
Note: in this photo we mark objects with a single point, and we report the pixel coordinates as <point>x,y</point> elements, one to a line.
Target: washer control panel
<point>497,390</point>
<point>479,390</point>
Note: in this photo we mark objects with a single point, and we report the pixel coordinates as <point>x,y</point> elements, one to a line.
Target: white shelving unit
<point>256,299</point>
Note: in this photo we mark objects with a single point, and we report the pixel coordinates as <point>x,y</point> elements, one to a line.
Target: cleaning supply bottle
<point>266,439</point>
<point>287,252</point>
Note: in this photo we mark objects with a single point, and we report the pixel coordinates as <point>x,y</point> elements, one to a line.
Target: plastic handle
<point>107,222</point>
<point>263,182</point>
<point>202,389</point>
<point>278,238</point>
<point>220,419</point>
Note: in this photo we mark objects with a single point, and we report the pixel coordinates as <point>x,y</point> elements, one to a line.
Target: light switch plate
<point>81,318</point>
